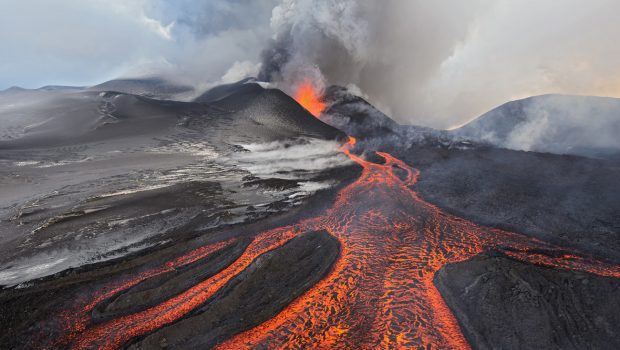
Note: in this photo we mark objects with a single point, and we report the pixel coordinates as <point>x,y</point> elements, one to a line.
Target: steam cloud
<point>581,125</point>
<point>440,65</point>
<point>435,64</point>
<point>276,159</point>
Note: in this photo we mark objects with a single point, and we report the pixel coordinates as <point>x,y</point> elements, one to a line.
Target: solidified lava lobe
<point>307,96</point>
<point>380,291</point>
<point>77,320</point>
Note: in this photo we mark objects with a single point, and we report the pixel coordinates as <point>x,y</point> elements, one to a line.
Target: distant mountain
<point>150,87</point>
<point>13,89</point>
<point>20,90</point>
<point>561,124</point>
<point>220,92</point>
<point>153,87</point>
<point>61,88</point>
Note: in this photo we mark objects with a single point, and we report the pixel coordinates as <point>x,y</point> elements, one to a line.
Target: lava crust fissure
<point>159,288</point>
<point>266,286</point>
<point>380,292</point>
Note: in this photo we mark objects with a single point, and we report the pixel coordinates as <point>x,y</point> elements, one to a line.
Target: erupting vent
<point>308,97</point>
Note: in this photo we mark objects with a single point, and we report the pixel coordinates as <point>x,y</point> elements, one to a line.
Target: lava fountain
<point>307,96</point>
<point>380,291</point>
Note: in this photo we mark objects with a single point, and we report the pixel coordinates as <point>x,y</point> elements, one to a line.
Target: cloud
<point>444,63</point>
<point>525,48</point>
<point>87,42</point>
<point>436,64</point>
<point>390,50</point>
<point>68,42</point>
<point>240,70</point>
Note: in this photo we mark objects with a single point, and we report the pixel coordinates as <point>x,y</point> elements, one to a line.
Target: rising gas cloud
<point>444,63</point>
<point>435,64</point>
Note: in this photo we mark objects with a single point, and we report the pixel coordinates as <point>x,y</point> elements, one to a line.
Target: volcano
<point>247,219</point>
<point>561,124</point>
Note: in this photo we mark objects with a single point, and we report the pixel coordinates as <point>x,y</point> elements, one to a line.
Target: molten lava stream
<point>77,319</point>
<point>380,291</point>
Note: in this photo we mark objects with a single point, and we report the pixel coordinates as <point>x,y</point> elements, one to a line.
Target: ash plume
<point>364,44</point>
<point>443,64</point>
<point>436,64</point>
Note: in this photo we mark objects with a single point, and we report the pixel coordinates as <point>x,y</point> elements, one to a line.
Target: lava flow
<point>380,291</point>
<point>309,99</point>
<point>75,321</point>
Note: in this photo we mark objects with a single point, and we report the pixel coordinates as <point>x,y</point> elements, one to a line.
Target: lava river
<point>378,294</point>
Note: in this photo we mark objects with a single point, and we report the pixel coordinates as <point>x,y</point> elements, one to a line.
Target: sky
<point>436,64</point>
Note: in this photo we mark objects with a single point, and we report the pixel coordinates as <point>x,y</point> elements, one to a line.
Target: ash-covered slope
<point>61,118</point>
<point>64,119</point>
<point>506,304</point>
<point>561,124</point>
<point>374,129</point>
<point>220,92</point>
<point>88,176</point>
<point>356,116</point>
<point>153,87</point>
<point>568,200</point>
<point>270,110</point>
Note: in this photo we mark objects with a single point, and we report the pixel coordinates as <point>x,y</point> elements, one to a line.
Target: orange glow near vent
<point>307,96</point>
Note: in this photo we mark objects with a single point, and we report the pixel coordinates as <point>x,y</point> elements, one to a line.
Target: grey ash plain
<point>103,181</point>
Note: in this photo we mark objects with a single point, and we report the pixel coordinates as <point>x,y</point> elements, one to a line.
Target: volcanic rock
<point>501,303</point>
<point>270,283</point>
<point>561,124</point>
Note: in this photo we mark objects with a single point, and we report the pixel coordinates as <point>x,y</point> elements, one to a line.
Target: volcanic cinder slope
<point>561,124</point>
<point>259,225</point>
<point>89,176</point>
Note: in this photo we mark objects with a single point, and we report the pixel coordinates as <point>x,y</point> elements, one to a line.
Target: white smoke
<point>240,70</point>
<point>435,64</point>
<point>284,159</point>
<point>382,48</point>
<point>309,29</point>
<point>441,64</point>
<point>562,124</point>
<point>528,136</point>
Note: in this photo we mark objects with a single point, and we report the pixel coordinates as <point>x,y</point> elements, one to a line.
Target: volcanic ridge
<point>140,214</point>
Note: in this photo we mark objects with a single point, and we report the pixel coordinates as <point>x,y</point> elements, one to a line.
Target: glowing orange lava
<point>75,321</point>
<point>380,291</point>
<point>309,98</point>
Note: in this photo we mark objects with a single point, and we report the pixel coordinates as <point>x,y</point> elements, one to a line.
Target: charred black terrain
<point>264,288</point>
<point>503,303</point>
<point>132,215</point>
